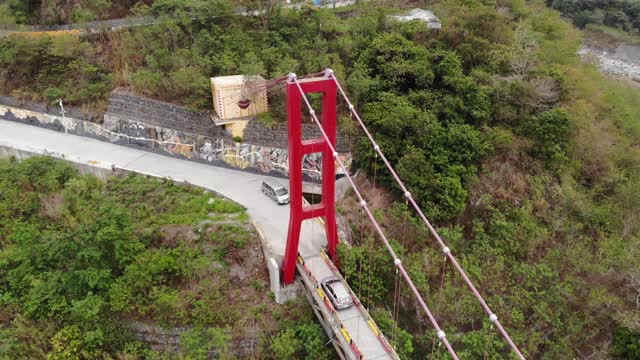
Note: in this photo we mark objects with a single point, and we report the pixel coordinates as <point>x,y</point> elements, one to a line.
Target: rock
<point>622,61</point>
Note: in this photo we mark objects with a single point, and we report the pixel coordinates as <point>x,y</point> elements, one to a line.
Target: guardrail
<point>348,339</point>
<point>370,322</point>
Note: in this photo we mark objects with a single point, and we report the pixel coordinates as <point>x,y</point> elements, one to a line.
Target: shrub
<point>626,344</point>
<point>286,344</point>
<point>550,132</point>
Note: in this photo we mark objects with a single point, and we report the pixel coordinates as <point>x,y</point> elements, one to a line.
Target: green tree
<point>24,10</point>
<point>399,64</point>
<point>550,132</point>
<point>286,344</point>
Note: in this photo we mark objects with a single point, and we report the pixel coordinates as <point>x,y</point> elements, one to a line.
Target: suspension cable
<point>492,317</point>
<point>397,289</point>
<point>441,334</point>
<point>394,316</point>
<point>369,269</point>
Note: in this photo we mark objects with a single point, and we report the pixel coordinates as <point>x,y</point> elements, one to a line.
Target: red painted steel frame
<point>297,149</point>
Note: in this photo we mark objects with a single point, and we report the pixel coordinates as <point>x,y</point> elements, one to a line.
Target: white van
<point>278,193</point>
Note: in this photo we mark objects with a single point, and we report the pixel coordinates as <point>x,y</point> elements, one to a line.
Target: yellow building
<point>236,99</point>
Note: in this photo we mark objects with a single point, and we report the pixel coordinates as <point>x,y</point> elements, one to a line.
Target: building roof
<point>233,80</point>
<point>426,16</point>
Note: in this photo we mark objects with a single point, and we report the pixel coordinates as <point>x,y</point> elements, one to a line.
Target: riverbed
<point>618,60</point>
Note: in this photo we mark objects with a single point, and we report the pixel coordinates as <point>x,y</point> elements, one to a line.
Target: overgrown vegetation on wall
<point>81,260</point>
<point>54,12</point>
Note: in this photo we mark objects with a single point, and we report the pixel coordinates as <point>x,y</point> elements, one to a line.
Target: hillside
<point>623,15</point>
<point>526,159</point>
<point>134,268</point>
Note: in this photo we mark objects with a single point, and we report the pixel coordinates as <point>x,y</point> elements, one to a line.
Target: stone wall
<point>127,106</point>
<point>46,109</point>
<point>277,136</point>
<point>215,149</point>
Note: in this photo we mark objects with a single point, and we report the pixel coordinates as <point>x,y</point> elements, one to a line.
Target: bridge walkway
<point>352,331</point>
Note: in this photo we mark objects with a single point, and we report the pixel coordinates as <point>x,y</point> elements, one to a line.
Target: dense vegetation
<point>526,159</point>
<point>620,14</point>
<point>38,12</point>
<point>82,260</point>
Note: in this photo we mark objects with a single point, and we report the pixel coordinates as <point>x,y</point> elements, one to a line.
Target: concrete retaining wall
<point>215,148</point>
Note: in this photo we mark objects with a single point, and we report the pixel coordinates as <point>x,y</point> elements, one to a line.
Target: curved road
<point>242,187</point>
<point>351,326</point>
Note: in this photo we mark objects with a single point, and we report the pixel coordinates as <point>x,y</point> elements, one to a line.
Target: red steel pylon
<point>297,149</point>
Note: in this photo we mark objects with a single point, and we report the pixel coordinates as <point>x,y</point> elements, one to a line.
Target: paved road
<point>239,186</point>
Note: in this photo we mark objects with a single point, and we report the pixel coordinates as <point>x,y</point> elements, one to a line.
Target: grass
<point>604,34</point>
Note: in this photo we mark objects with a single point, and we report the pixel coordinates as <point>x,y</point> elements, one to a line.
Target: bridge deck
<point>352,331</point>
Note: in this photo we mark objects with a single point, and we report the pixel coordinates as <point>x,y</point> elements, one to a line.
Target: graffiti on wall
<point>266,159</point>
<point>244,156</point>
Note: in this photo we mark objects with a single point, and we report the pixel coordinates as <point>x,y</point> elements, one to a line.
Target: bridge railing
<point>332,310</point>
<point>370,322</point>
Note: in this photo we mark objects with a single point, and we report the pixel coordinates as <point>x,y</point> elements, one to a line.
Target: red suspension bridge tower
<point>297,149</point>
<point>328,86</point>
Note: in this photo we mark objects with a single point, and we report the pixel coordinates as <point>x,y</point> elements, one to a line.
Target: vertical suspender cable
<point>486,347</point>
<point>407,194</point>
<point>360,258</point>
<point>398,263</point>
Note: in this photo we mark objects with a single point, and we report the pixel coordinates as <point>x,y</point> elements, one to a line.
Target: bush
<point>286,344</point>
<point>198,343</point>
<point>78,253</point>
<point>550,132</point>
<point>149,82</point>
<point>626,344</point>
